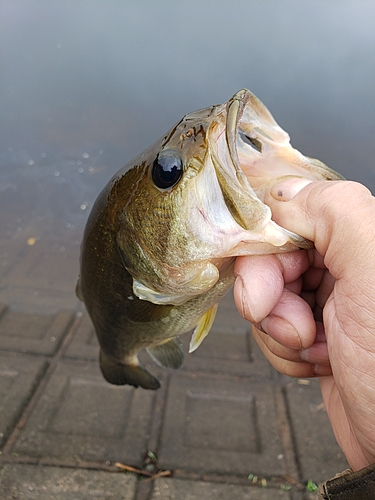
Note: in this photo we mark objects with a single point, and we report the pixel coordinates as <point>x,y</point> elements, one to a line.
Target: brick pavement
<point>226,424</point>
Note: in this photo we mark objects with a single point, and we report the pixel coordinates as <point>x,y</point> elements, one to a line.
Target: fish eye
<point>167,170</point>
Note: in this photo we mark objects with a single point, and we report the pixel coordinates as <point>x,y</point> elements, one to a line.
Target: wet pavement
<point>226,425</point>
<point>85,87</point>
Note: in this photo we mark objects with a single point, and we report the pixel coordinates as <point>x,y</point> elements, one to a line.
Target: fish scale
<point>160,243</point>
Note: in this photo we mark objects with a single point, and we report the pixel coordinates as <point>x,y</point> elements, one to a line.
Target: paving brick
<point>37,300</point>
<point>10,255</point>
<point>220,346</point>
<point>308,495</point>
<point>46,265</point>
<point>221,424</point>
<point>3,309</point>
<point>42,278</point>
<point>81,416</point>
<point>30,482</point>
<point>237,354</point>
<point>298,495</point>
<point>33,333</point>
<point>85,344</point>
<point>19,375</point>
<point>178,489</point>
<point>319,455</point>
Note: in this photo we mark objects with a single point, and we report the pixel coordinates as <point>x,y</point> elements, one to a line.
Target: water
<point>86,85</point>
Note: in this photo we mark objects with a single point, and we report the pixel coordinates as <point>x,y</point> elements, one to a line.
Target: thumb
<point>338,216</point>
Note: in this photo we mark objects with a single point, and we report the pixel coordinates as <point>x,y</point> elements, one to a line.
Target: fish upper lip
<point>235,108</point>
<point>241,200</point>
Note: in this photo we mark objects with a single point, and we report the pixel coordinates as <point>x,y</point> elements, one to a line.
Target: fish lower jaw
<point>279,237</point>
<point>270,239</point>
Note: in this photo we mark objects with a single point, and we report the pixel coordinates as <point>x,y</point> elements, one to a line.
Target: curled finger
<point>291,322</point>
<point>283,360</point>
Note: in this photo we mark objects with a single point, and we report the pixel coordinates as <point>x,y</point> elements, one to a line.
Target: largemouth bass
<point>160,243</point>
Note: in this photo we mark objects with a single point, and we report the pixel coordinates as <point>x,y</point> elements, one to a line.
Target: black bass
<point>160,243</point>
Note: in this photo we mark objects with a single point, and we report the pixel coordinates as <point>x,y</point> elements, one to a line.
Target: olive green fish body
<point>159,246</point>
<point>124,323</point>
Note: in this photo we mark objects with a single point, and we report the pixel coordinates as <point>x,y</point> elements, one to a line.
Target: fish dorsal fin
<point>143,292</point>
<point>121,374</point>
<point>202,329</point>
<point>168,354</point>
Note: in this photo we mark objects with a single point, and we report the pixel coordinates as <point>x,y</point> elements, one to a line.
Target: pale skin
<point>314,310</point>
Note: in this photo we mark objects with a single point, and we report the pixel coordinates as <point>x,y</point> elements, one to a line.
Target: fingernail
<point>279,324</point>
<point>238,287</point>
<point>263,326</point>
<point>242,299</point>
<point>305,355</point>
<point>288,189</point>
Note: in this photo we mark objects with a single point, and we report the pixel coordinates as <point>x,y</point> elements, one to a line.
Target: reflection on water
<point>88,85</point>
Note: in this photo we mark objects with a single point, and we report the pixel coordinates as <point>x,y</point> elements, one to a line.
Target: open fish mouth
<point>227,157</point>
<point>251,155</point>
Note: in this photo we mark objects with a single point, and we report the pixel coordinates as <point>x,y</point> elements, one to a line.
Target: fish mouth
<point>253,155</point>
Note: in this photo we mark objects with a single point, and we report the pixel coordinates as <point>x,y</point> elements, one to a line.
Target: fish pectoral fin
<point>202,329</point>
<point>193,280</point>
<point>143,292</point>
<point>78,290</point>
<point>168,354</point>
<point>121,374</point>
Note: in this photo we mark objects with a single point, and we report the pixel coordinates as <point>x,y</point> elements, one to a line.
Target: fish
<point>159,245</point>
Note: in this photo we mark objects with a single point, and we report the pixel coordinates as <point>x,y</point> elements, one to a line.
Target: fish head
<point>195,199</point>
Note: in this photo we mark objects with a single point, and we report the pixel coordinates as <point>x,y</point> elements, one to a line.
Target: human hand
<point>314,311</point>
